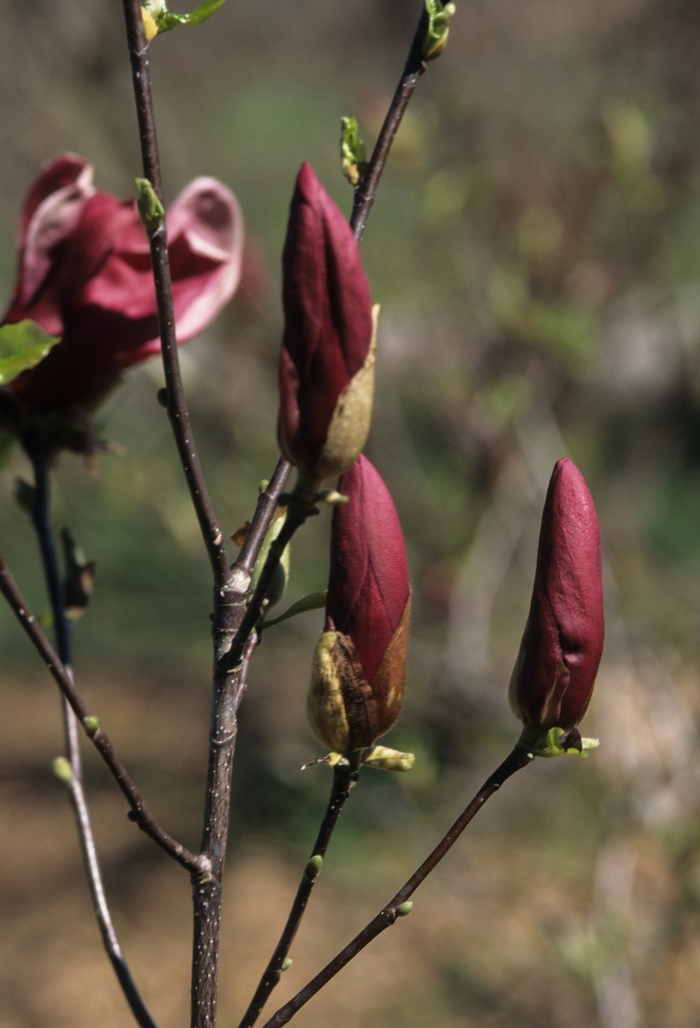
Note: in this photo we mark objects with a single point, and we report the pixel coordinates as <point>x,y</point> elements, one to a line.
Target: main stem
<point>344,777</point>
<point>41,517</point>
<point>386,917</point>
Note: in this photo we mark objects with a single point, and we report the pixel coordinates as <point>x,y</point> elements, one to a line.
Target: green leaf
<point>439,16</point>
<point>353,157</point>
<point>311,602</point>
<point>22,345</point>
<point>202,11</point>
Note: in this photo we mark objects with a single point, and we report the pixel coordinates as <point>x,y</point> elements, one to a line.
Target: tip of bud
<point>404,909</point>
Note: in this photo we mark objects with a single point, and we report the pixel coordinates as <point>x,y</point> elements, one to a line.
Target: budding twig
<point>410,76</point>
<point>142,814</point>
<point>177,405</point>
<point>398,906</point>
<point>41,517</point>
<point>344,777</point>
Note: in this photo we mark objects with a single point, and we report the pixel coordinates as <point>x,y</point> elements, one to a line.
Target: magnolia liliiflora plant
<point>105,283</point>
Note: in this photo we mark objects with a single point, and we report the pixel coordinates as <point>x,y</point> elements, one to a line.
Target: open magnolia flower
<point>554,675</point>
<point>359,667</point>
<point>326,373</point>
<point>85,275</point>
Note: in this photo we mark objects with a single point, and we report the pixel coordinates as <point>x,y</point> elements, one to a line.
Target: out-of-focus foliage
<point>535,246</point>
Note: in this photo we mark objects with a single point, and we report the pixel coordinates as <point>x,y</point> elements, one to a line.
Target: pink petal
<point>52,221</point>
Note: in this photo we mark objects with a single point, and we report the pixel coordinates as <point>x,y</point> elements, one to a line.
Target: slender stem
<point>410,76</point>
<point>141,813</point>
<point>386,917</point>
<point>266,507</point>
<point>344,777</point>
<point>229,688</point>
<point>177,406</point>
<point>41,517</point>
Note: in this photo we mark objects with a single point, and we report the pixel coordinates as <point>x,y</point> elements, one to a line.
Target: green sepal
<point>388,760</point>
<point>311,602</point>
<point>435,40</point>
<point>555,742</point>
<point>167,20</point>
<point>22,345</point>
<point>353,157</point>
<point>151,210</point>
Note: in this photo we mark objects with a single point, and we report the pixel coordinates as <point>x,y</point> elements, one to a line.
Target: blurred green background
<point>535,246</point>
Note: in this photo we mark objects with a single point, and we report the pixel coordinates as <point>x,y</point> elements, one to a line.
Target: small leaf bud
<point>404,909</point>
<point>151,210</point>
<point>313,868</point>
<point>61,767</point>
<point>91,725</point>
<point>389,760</point>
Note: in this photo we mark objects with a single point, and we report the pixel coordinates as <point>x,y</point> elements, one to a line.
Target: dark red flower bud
<point>555,672</point>
<point>359,668</point>
<point>85,274</point>
<point>327,360</point>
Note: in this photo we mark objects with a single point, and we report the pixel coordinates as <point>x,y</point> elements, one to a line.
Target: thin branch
<point>177,405</point>
<point>386,917</point>
<point>262,519</point>
<point>410,76</point>
<point>41,516</point>
<point>140,811</point>
<point>344,777</point>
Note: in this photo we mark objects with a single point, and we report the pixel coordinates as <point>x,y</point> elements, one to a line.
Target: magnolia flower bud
<point>326,374</point>
<point>555,672</point>
<point>359,667</point>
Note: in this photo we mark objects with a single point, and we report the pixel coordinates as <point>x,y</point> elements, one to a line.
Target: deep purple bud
<point>359,669</point>
<point>326,374</point>
<point>555,672</point>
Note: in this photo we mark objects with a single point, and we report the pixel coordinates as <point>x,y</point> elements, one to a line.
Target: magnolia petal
<point>53,221</point>
<point>208,215</point>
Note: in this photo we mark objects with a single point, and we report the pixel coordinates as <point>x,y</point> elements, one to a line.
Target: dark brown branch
<point>386,917</point>
<point>412,72</point>
<point>41,517</point>
<point>141,814</point>
<point>207,891</point>
<point>344,777</point>
<point>177,405</point>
